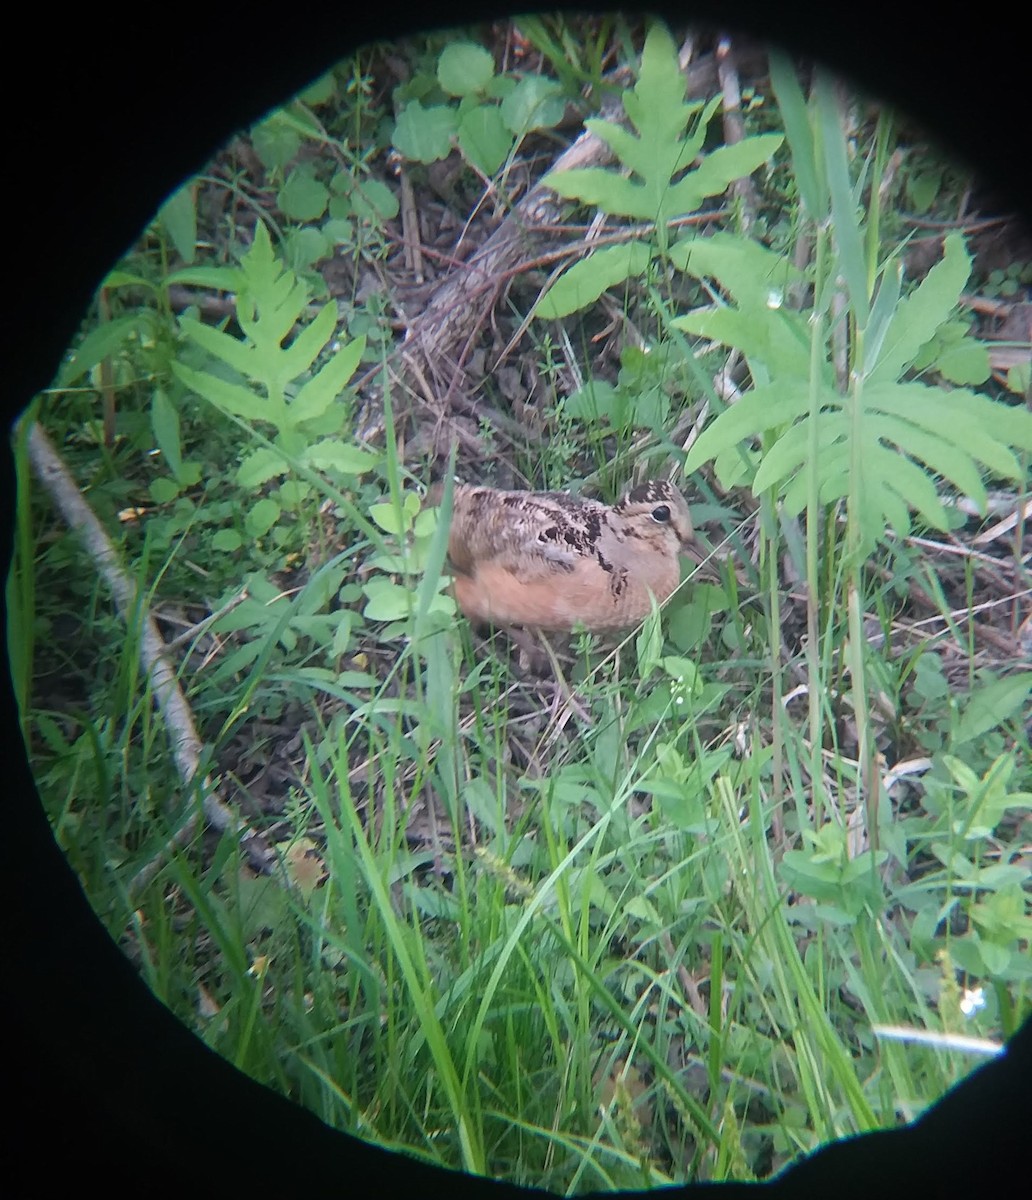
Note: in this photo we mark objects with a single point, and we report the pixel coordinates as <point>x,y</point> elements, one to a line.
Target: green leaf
<point>305,246</point>
<point>331,454</point>
<point>259,467</point>
<point>222,279</point>
<point>103,342</point>
<point>584,282</point>
<point>484,138</point>
<point>230,397</point>
<point>315,396</point>
<point>275,142</point>
<point>321,91</point>
<point>226,541</point>
<point>425,134</point>
<point>464,68</point>
<point>927,307</point>
<point>165,424</point>
<point>799,133</point>
<point>965,363</point>
<point>303,197</point>
<point>535,103</point>
<point>387,601</point>
<point>751,273</point>
<point>659,156</point>
<point>374,201</point>
<point>848,236</point>
<point>261,517</point>
<point>178,217</point>
<point>990,706</point>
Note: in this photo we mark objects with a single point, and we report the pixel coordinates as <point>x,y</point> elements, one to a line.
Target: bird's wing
<point>534,537</point>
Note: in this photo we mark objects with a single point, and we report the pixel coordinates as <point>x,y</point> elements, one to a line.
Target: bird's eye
<point>661,513</point>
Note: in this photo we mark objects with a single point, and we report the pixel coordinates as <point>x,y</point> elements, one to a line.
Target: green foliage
<point>880,443</point>
<point>662,183</point>
<point>264,380</point>
<point>488,115</point>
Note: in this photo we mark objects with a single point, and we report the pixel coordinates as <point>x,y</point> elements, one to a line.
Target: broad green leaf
<point>374,200</point>
<point>321,91</point>
<point>303,197</point>
<point>992,704</point>
<point>464,67</point>
<point>100,343</point>
<point>484,138</point>
<point>230,397</point>
<point>165,424</point>
<point>596,401</point>
<point>965,363</point>
<point>259,467</point>
<point>303,247</point>
<point>330,454</point>
<point>763,408</point>
<point>920,314</point>
<point>584,282</point>
<point>773,340</point>
<point>275,142</point>
<point>178,217</point>
<point>226,541</point>
<point>308,345</point>
<point>230,350</point>
<point>750,272</point>
<point>387,601</point>
<point>424,134</point>
<point>261,516</point>
<point>535,103</point>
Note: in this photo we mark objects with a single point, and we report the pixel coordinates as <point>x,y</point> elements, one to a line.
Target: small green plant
<point>657,181</point>
<point>487,115</point>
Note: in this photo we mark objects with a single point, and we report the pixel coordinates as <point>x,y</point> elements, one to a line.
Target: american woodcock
<point>547,560</point>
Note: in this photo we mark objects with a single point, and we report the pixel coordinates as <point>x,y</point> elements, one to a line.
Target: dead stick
<point>186,745</point>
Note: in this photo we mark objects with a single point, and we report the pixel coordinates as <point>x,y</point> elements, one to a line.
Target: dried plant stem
<point>186,745</point>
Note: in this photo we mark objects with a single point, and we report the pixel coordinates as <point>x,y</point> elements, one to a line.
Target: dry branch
<point>186,745</point>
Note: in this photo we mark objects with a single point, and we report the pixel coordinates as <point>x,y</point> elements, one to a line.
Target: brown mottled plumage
<point>547,560</point>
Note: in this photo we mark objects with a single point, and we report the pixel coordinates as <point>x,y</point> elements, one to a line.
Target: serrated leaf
<point>259,467</point>
<point>585,281</point>
<point>927,307</point>
<point>424,134</point>
<point>464,68</point>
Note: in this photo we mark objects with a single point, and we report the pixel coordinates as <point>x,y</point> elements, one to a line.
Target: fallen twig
<point>186,745</point>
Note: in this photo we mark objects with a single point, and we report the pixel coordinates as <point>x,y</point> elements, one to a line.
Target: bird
<point>556,562</point>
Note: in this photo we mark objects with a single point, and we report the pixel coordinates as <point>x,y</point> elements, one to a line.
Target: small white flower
<point>972,1001</point>
<point>775,298</point>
